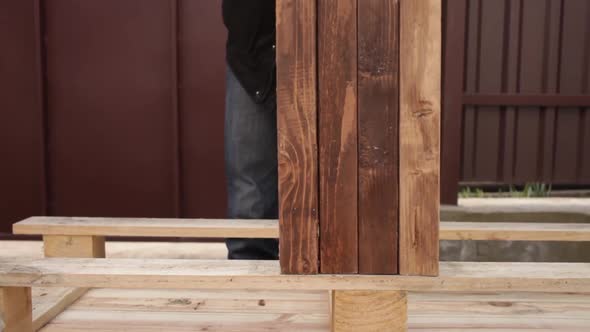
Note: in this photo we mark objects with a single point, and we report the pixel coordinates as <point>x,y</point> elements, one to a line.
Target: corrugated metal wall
<point>115,108</point>
<point>523,107</point>
<point>111,108</point>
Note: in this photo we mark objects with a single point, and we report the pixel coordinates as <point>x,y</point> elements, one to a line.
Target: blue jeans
<point>251,167</point>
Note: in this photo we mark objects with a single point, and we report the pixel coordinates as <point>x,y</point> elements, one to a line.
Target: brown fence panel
<point>111,103</point>
<point>22,186</point>
<point>201,103</point>
<point>525,94</point>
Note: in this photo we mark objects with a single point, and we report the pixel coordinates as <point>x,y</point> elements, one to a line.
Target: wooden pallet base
<point>369,311</point>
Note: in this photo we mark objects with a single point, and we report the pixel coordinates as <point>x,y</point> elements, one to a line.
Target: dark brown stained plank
<point>337,67</point>
<point>420,86</point>
<point>378,52</point>
<point>111,104</point>
<point>568,130</point>
<point>297,136</point>
<point>22,180</point>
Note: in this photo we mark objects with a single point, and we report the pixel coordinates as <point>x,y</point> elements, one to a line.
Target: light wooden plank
<point>338,139</point>
<point>514,231</point>
<point>214,301</point>
<point>16,309</point>
<point>378,220</point>
<point>74,246</point>
<point>219,274</point>
<point>450,230</point>
<point>420,80</point>
<point>67,246</point>
<point>369,311</point>
<point>50,302</point>
<point>297,136</point>
<point>203,228</point>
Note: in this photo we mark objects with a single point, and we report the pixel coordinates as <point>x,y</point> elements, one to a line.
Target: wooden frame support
<point>369,311</point>
<point>16,309</point>
<point>66,246</point>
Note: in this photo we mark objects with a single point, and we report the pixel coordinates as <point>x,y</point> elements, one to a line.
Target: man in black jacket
<point>250,121</point>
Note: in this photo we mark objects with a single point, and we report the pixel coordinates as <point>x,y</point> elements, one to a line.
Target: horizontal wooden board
<point>204,228</point>
<point>514,231</point>
<point>222,274</point>
<point>107,310</point>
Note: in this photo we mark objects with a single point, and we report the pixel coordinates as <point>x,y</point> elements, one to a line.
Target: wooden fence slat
<point>378,47</point>
<point>337,54</point>
<point>420,73</point>
<point>297,136</point>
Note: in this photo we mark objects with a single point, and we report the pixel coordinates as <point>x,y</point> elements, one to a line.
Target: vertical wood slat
<point>337,68</point>
<point>16,309</point>
<point>420,66</point>
<point>378,51</point>
<point>297,136</point>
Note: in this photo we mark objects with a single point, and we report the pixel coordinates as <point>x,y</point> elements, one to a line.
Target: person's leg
<point>251,168</point>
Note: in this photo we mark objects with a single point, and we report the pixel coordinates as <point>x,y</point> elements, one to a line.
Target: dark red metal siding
<point>21,113</point>
<point>111,104</point>
<point>202,91</point>
<point>529,48</point>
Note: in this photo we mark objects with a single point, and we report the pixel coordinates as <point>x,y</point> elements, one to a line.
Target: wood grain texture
<point>514,231</point>
<point>50,302</point>
<point>378,52</point>
<point>74,246</point>
<point>337,67</point>
<point>108,310</point>
<point>202,228</point>
<point>67,246</point>
<point>420,85</point>
<point>16,309</point>
<point>369,311</point>
<point>265,275</point>
<point>226,228</point>
<point>297,136</point>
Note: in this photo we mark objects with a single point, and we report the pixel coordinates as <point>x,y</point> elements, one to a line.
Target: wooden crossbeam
<point>221,274</point>
<point>204,228</point>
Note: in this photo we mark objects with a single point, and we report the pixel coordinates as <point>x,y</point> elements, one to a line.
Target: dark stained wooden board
<point>420,83</point>
<point>337,68</point>
<point>378,98</point>
<point>297,136</point>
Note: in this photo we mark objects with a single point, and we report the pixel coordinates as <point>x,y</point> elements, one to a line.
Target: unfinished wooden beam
<point>378,171</point>
<point>222,274</point>
<point>67,246</point>
<point>16,309</point>
<point>420,84</point>
<point>370,311</point>
<point>74,246</point>
<point>297,136</point>
<point>202,228</point>
<point>337,67</point>
<point>226,228</point>
<point>50,302</point>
